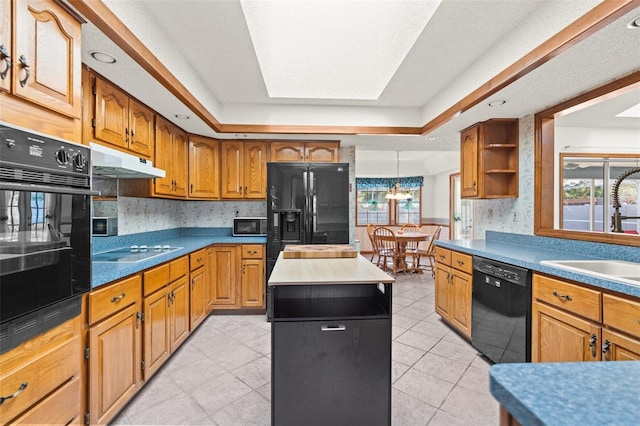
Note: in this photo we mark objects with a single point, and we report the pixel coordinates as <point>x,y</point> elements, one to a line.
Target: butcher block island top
<point>318,251</point>
<point>350,270</point>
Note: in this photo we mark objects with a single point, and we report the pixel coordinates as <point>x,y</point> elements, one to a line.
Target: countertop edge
<point>530,258</point>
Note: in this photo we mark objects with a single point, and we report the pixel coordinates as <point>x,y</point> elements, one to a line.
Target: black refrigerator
<point>307,203</point>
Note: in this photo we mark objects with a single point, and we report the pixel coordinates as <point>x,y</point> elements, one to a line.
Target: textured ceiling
<point>206,44</point>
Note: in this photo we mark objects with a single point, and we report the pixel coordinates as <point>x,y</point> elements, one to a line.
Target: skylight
<point>633,112</point>
<point>326,49</point>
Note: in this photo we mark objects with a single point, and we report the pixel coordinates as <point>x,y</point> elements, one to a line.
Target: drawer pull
<point>593,341</point>
<point>15,394</point>
<point>333,327</point>
<point>460,262</point>
<point>118,298</point>
<point>562,296</point>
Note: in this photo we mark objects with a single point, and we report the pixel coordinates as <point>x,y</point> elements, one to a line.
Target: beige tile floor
<point>221,375</point>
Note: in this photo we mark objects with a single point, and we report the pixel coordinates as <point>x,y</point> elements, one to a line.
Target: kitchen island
<point>330,342</point>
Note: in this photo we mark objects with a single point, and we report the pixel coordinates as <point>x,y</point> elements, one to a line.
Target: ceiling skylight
<point>633,112</point>
<point>326,49</point>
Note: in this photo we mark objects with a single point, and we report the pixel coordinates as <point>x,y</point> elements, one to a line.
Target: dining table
<point>402,239</point>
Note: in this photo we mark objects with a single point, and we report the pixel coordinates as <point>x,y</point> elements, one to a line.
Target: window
<point>373,207</point>
<point>587,186</point>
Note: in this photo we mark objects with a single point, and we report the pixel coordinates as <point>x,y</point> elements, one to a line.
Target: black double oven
<point>45,234</point>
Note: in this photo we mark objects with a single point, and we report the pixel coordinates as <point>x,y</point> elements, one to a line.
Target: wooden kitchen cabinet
<point>453,286</point>
<point>238,279</point>
<point>171,155</point>
<point>41,89</point>
<point>166,312</point>
<point>115,348</point>
<point>243,169</point>
<point>489,159</point>
<point>121,121</point>
<point>253,279</point>
<point>198,279</point>
<point>204,168</point>
<point>225,275</point>
<point>48,368</point>
<point>295,151</point>
<point>571,322</point>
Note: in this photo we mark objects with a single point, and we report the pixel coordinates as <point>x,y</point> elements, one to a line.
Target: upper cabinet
<point>295,151</point>
<point>121,121</point>
<point>243,169</point>
<point>204,168</point>
<point>171,156</point>
<point>489,159</point>
<point>40,67</point>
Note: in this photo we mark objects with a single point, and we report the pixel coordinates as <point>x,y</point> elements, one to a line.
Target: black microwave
<point>249,226</point>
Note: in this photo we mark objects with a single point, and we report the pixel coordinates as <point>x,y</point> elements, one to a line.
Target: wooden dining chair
<point>370,228</point>
<point>385,240</point>
<point>430,252</point>
<point>412,249</point>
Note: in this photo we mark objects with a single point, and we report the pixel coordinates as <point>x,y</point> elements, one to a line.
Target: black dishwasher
<point>501,311</point>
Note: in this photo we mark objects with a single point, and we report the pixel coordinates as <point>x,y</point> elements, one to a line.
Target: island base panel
<point>331,372</point>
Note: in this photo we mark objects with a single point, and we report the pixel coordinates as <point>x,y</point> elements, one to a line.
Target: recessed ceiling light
<point>497,102</point>
<point>181,116</point>
<point>634,24</point>
<point>102,57</point>
<point>433,138</point>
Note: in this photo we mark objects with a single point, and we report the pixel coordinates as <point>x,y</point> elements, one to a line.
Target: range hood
<point>107,162</point>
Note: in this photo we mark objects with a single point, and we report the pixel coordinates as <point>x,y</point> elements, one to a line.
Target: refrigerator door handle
<point>306,236</point>
<point>312,204</point>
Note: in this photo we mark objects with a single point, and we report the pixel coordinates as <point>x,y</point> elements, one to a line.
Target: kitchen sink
<point>620,270</point>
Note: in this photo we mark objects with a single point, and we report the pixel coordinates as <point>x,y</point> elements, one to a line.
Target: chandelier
<point>396,192</point>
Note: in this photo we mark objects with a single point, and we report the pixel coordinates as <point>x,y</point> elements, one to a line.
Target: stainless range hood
<point>107,162</point>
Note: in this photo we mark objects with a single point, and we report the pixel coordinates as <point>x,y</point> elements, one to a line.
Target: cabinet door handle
<point>25,67</point>
<point>244,268</point>
<point>474,185</point>
<point>126,132</point>
<point>118,298</point>
<point>592,344</point>
<point>333,327</point>
<point>22,387</point>
<point>4,55</point>
<point>566,297</point>
<point>605,350</point>
<point>133,136</point>
<point>193,283</point>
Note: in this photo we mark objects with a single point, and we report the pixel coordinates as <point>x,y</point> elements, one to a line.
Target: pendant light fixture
<point>396,192</point>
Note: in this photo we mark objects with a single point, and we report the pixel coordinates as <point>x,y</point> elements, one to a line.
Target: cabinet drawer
<point>42,375</point>
<point>461,262</point>
<point>575,299</point>
<point>252,251</point>
<point>60,408</point>
<point>622,314</point>
<point>155,278</point>
<point>197,259</point>
<point>178,268</point>
<point>443,256</point>
<point>113,297</point>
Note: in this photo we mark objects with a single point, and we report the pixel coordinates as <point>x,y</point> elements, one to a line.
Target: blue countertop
<point>528,251</point>
<point>190,239</point>
<point>581,393</point>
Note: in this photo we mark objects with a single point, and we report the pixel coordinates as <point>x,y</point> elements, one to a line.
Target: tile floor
<point>221,375</point>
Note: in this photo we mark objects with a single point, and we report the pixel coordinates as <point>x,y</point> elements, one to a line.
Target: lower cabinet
<point>198,278</point>
<point>44,374</point>
<point>571,323</point>
<point>166,312</point>
<point>238,276</point>
<point>114,348</point>
<point>453,286</point>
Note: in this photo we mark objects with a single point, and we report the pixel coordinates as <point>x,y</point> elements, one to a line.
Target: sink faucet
<point>617,218</point>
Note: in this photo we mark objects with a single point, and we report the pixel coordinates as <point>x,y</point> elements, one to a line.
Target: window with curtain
<point>372,207</point>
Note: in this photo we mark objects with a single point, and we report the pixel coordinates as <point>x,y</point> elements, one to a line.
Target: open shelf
<point>340,301</point>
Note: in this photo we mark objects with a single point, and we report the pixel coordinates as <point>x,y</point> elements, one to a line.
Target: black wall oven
<point>45,235</point>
